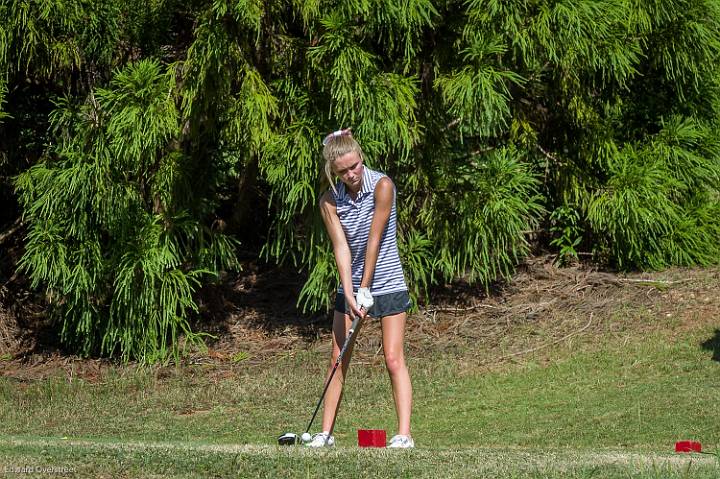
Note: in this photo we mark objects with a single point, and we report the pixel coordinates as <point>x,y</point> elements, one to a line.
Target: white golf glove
<point>364,299</point>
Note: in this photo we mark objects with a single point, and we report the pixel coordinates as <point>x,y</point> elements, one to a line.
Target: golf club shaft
<point>346,344</point>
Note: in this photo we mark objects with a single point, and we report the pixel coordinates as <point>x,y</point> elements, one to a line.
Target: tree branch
<point>6,234</point>
<point>547,154</point>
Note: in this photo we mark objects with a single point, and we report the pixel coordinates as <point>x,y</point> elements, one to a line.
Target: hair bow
<point>335,134</point>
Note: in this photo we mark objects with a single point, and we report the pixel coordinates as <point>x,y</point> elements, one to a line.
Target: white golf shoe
<point>321,439</point>
<point>400,441</point>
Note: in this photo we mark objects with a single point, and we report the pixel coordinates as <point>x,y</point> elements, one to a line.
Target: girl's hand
<point>355,310</point>
<point>364,299</point>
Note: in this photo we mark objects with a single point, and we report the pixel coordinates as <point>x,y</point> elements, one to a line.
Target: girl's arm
<point>384,193</point>
<point>341,250</point>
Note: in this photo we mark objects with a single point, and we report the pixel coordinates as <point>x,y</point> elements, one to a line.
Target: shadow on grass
<point>713,344</point>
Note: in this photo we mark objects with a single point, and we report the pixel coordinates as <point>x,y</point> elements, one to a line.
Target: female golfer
<point>359,214</point>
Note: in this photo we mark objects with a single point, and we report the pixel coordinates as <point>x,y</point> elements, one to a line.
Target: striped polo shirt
<point>355,217</point>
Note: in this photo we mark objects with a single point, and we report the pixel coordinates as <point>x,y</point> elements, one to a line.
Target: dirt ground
<point>253,319</point>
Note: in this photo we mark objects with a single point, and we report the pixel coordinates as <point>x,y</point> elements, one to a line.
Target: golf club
<point>289,438</point>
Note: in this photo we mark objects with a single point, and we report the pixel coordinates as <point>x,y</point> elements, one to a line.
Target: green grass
<point>107,459</point>
<point>610,408</point>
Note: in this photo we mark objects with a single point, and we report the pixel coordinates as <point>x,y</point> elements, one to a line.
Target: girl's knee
<point>395,362</point>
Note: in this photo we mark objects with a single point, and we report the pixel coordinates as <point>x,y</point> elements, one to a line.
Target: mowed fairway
<point>102,458</point>
<point>608,402</point>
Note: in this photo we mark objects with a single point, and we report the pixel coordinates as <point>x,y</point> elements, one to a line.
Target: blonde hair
<point>334,149</point>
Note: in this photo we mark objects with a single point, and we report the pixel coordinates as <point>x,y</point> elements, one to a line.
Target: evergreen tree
<point>592,121</point>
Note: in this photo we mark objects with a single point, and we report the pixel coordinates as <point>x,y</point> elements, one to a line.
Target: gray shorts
<point>385,304</point>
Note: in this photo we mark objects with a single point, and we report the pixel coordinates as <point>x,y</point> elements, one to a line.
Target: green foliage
<point>657,206</point>
<point>596,118</point>
<point>416,252</point>
<point>568,233</point>
<point>479,93</point>
<point>624,112</point>
<point>477,218</point>
<point>115,234</point>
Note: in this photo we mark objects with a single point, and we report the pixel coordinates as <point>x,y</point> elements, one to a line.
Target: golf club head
<point>288,439</point>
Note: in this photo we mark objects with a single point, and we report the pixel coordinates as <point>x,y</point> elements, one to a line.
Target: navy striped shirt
<point>355,217</point>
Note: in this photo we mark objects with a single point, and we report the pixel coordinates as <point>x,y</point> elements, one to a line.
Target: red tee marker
<point>371,438</point>
<point>688,446</point>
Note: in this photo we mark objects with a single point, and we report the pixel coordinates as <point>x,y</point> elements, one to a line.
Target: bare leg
<point>341,323</point>
<point>393,331</point>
